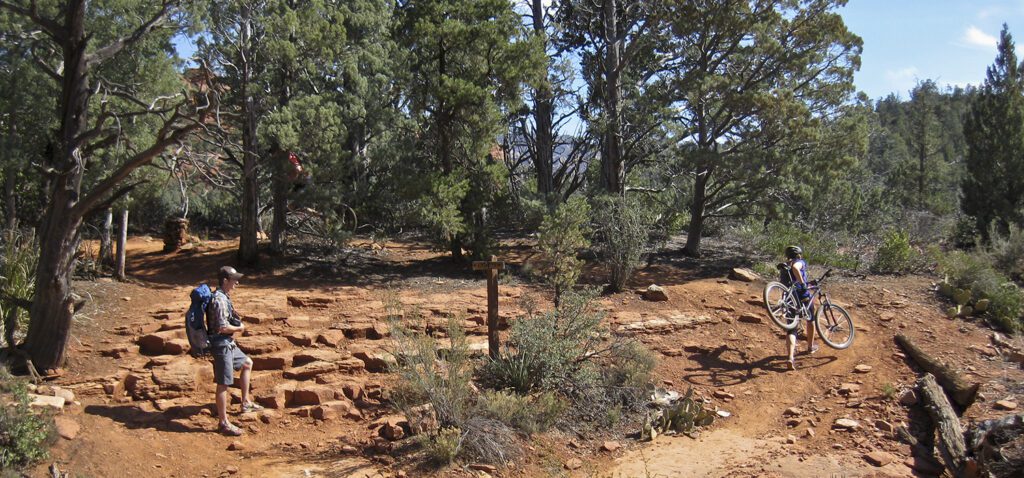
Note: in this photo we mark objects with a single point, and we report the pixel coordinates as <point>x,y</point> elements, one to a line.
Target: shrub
<point>24,435</point>
<point>771,241</point>
<point>622,229</point>
<point>443,446</point>
<point>529,414</point>
<point>17,279</point>
<point>1007,251</point>
<point>562,233</point>
<point>974,272</point>
<point>550,350</point>
<point>895,255</point>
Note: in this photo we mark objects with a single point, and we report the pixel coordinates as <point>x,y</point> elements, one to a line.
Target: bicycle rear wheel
<point>835,327</point>
<point>781,305</point>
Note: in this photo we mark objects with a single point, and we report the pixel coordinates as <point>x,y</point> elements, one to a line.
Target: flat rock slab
<point>315,355</point>
<point>46,401</point>
<point>67,428</point>
<point>310,370</point>
<point>180,375</point>
<point>744,275</point>
<point>845,424</point>
<point>879,458</point>
<point>265,344</point>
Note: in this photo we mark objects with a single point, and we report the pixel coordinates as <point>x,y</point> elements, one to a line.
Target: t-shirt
<point>218,314</point>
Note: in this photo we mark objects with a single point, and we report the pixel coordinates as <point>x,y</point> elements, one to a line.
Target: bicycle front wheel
<point>835,327</point>
<point>780,304</point>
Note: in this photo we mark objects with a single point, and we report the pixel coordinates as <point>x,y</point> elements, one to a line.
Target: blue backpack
<point>195,321</point>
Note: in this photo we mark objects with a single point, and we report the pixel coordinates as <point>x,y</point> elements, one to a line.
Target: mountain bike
<point>834,325</point>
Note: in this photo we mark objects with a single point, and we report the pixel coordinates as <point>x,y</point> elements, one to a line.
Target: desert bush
<point>547,351</point>
<point>25,436</point>
<point>1007,251</point>
<point>819,248</point>
<point>562,233</point>
<point>896,255</point>
<point>974,271</point>
<point>527,413</point>
<point>17,280</point>
<point>443,446</point>
<point>622,229</point>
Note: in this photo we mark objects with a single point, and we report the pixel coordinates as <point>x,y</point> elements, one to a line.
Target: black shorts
<point>226,359</point>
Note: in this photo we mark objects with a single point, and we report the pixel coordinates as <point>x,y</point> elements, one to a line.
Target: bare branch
<point>53,29</point>
<point>105,53</point>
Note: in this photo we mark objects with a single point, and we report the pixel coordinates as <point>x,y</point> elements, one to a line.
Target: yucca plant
<point>17,280</point>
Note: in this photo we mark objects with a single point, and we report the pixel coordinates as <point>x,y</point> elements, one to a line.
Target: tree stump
<point>175,233</point>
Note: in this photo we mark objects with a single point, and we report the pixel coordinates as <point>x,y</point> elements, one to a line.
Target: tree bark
<point>612,174</point>
<point>279,225</point>
<point>10,204</point>
<point>962,392</point>
<point>248,253</point>
<point>951,435</point>
<point>106,245</point>
<point>696,228</point>
<point>122,243</point>
<point>543,118</point>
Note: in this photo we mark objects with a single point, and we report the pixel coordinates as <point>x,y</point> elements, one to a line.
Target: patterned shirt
<point>218,313</point>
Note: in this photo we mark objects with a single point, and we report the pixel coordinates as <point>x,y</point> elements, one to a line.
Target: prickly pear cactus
<point>962,296</point>
<point>952,312</point>
<point>966,311</point>
<point>684,415</point>
<point>981,306</point>
<point>946,289</point>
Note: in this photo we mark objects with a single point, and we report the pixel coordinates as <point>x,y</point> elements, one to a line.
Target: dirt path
<point>144,407</point>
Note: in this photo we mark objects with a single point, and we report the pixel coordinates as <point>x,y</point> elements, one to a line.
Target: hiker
<point>798,271</point>
<point>222,324</point>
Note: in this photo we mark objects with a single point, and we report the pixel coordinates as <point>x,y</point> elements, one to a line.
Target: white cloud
<point>975,37</point>
<point>902,79</point>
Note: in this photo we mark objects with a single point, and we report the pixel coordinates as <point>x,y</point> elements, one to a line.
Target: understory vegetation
<point>25,433</point>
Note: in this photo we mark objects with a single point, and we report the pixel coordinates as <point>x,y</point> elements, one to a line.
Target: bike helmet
<point>793,251</point>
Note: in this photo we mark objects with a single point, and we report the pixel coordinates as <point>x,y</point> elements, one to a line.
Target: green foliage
<point>771,241</point>
<point>443,446</point>
<point>17,280</point>
<point>1007,251</point>
<point>25,436</point>
<point>562,234</point>
<point>622,226</point>
<point>974,272</point>
<point>527,413</point>
<point>993,190</point>
<point>889,391</point>
<point>895,255</point>
<point>549,351</point>
<point>425,378</point>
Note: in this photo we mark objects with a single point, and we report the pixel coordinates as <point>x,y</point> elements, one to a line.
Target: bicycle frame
<point>816,293</point>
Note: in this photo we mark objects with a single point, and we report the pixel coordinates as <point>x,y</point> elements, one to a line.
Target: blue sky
<point>949,41</point>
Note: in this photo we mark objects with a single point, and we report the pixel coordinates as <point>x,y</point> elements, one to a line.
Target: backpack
<point>195,321</point>
<point>785,276</point>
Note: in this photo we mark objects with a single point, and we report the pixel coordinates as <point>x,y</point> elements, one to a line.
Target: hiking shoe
<point>229,430</point>
<point>813,349</point>
<point>791,365</point>
<point>251,407</point>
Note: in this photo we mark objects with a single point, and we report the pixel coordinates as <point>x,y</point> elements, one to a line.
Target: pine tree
<point>993,190</point>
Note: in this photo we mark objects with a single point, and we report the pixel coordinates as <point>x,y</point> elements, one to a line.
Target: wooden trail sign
<point>492,267</point>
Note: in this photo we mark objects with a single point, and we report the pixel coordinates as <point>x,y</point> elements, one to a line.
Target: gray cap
<point>228,272</point>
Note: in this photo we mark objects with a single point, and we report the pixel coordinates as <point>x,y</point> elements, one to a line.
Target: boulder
<point>654,293</point>
<point>335,409</point>
<point>351,365</point>
<point>180,375</point>
<point>845,424</point>
<point>331,338</point>
<point>848,388</point>
<point>744,275</point>
<point>46,401</point>
<point>300,338</point>
<point>157,342</point>
<point>374,362</point>
<point>879,458</point>
<point>66,427</point>
<point>392,427</point>
<point>311,394</point>
<point>278,397</point>
<point>610,446</point>
<point>862,368</point>
<point>423,419</point>
<point>277,361</point>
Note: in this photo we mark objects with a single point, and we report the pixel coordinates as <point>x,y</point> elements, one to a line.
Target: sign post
<point>492,267</point>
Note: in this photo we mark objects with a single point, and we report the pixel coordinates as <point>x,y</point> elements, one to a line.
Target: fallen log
<point>960,390</point>
<point>951,443</point>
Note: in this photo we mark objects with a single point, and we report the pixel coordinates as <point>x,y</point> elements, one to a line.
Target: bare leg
<point>810,337</point>
<point>246,368</point>
<point>791,342</point>
<point>222,404</point>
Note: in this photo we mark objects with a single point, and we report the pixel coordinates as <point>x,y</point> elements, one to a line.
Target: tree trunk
<point>10,206</point>
<point>53,304</point>
<point>106,245</point>
<point>248,253</point>
<point>951,434</point>
<point>612,174</point>
<point>279,226</point>
<point>543,111</point>
<point>962,392</point>
<point>696,228</point>
<point>122,244</point>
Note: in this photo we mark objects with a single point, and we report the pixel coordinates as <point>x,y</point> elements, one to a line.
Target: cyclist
<point>801,285</point>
